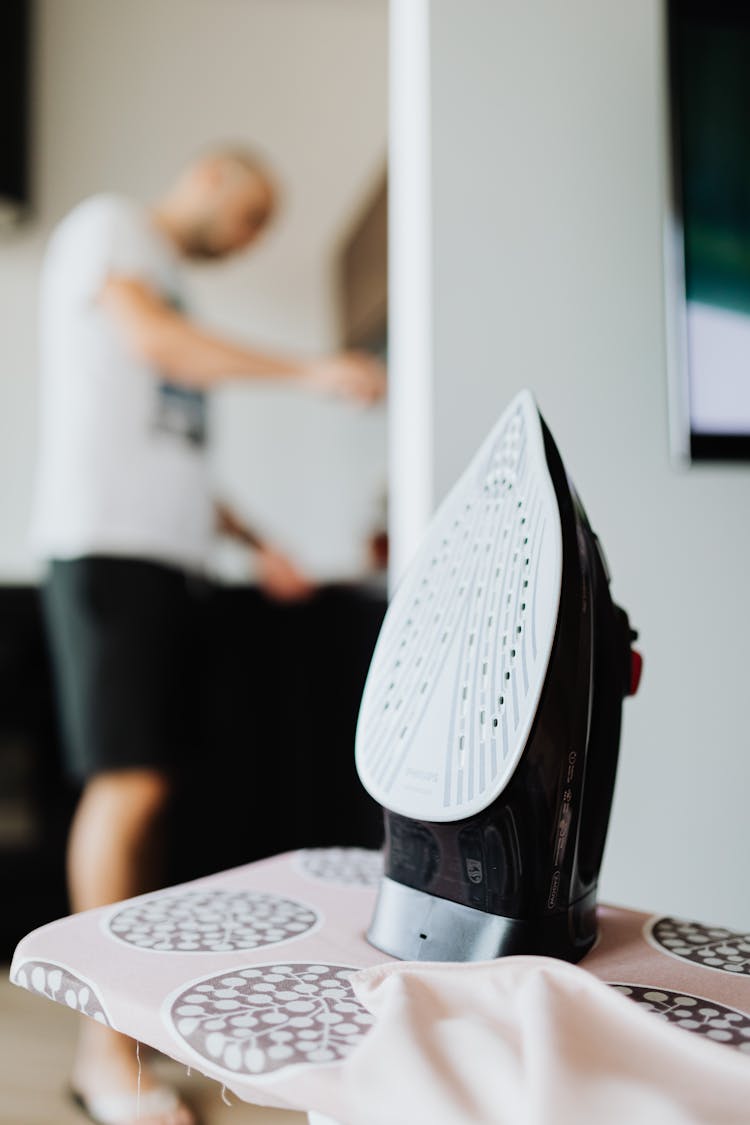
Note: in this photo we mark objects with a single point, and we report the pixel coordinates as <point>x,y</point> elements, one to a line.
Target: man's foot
<point>105,1083</point>
<point>160,1106</point>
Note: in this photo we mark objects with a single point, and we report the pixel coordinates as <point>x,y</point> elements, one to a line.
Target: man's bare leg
<point>115,851</point>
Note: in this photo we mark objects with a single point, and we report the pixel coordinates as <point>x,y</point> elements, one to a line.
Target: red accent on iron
<point>636,670</point>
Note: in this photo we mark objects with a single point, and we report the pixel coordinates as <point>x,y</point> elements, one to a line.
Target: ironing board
<point>245,975</point>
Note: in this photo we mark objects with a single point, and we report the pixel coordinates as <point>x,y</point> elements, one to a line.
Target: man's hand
<point>356,375</point>
<point>279,578</point>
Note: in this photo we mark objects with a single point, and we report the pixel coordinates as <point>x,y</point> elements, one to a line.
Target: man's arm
<point>228,523</point>
<point>278,577</point>
<point>171,342</point>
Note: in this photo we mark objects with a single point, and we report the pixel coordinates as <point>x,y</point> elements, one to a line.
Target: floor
<point>36,1044</point>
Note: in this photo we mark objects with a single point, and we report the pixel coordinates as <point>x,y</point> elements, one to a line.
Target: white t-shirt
<point>122,460</point>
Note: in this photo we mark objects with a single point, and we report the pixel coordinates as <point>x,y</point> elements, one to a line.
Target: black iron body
<point>532,858</point>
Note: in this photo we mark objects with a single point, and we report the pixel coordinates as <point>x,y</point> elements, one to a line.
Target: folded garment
<point>531,1041</point>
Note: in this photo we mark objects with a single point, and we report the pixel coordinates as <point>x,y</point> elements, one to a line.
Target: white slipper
<point>128,1108</point>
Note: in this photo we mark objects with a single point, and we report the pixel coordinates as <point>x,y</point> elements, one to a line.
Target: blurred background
<point>118,97</point>
<point>103,95</point>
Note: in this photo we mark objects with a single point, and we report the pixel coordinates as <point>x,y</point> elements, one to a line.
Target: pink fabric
<point>530,1041</point>
<point>262,978</point>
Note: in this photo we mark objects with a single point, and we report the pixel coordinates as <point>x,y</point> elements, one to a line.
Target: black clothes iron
<point>490,723</point>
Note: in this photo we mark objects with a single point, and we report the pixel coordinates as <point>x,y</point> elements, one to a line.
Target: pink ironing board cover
<point>246,975</point>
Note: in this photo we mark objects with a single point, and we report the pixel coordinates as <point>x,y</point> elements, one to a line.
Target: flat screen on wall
<point>708,260</point>
<point>15,19</point>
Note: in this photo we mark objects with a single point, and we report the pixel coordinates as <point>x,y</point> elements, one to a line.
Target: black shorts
<point>121,638</point>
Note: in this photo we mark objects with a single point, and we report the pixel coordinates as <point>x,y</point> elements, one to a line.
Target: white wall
<point>546,198</point>
<point>125,94</point>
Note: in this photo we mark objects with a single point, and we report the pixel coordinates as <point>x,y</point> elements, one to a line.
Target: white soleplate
<point>461,660</point>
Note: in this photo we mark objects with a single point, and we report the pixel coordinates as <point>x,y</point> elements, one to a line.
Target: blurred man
<point>124,515</point>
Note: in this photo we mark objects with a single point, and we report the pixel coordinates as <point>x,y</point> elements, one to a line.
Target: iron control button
<point>636,670</point>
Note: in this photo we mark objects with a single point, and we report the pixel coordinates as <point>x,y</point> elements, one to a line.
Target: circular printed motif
<point>346,866</point>
<point>211,921</point>
<point>693,1013</point>
<point>258,1020</point>
<point>58,983</point>
<point>711,946</point>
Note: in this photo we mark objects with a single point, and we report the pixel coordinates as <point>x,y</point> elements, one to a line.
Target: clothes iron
<point>490,722</point>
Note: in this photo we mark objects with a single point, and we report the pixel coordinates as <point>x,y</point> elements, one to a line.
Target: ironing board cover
<point>245,975</point>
